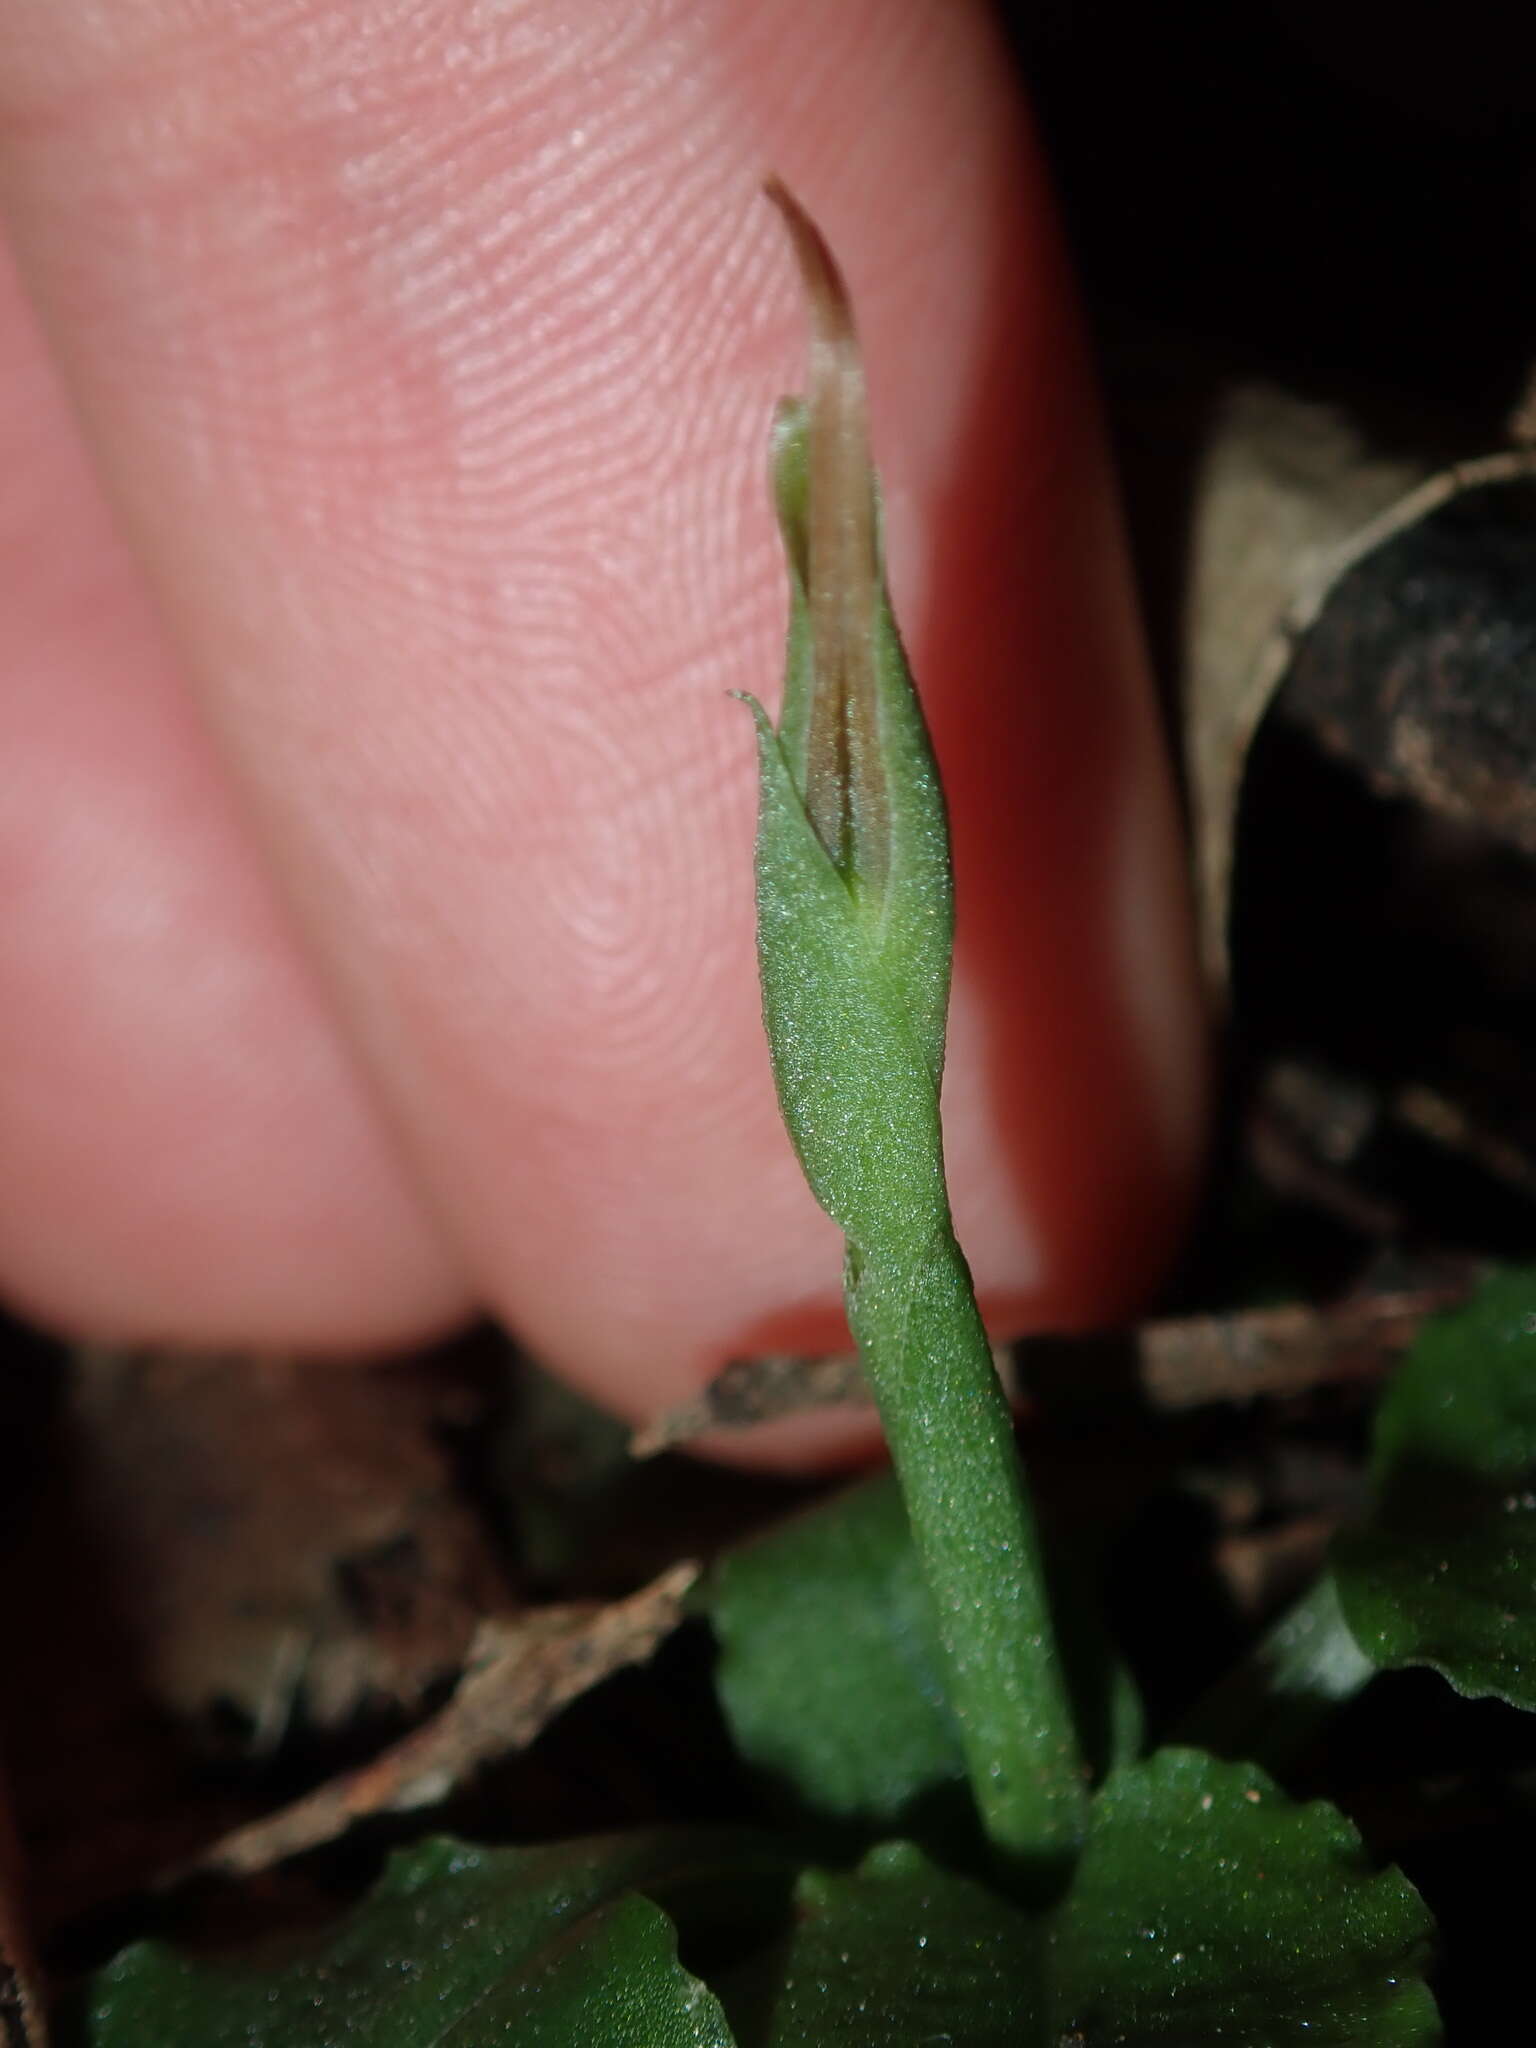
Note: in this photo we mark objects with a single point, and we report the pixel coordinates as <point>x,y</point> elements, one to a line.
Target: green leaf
<point>830,1671</point>
<point>1443,1572</point>
<point>829,1664</point>
<point>460,1947</point>
<point>1209,1907</point>
<point>1206,1907</point>
<point>898,1953</point>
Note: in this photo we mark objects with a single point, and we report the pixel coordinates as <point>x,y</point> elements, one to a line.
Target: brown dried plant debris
<point>1180,1362</point>
<point>1383,602</point>
<point>1416,672</point>
<point>281,1536</point>
<point>763,1389</point>
<point>1189,1361</point>
<point>521,1674</point>
<point>1282,487</point>
<point>1263,1570</point>
<point>1309,1128</point>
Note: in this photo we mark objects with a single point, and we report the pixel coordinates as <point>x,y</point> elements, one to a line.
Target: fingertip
<point>475,726</point>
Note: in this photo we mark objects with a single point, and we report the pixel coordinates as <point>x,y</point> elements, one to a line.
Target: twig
<point>1181,1362</point>
<point>753,1390</point>
<point>1193,1360</point>
<point>520,1675</point>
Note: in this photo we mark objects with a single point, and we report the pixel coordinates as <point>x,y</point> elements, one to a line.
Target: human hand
<point>375,821</point>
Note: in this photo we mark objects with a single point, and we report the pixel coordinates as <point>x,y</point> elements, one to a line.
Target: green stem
<point>951,1439</point>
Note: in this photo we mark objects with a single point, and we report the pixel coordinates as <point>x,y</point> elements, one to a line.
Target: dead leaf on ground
<point>1283,488</point>
<point>1416,669</point>
<point>521,1674</point>
<point>208,1547</point>
<point>281,1535</point>
<point>1290,498</point>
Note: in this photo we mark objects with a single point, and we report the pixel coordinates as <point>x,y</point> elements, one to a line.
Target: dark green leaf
<point>460,1947</point>
<point>898,1953</point>
<point>1444,1571</point>
<point>829,1664</point>
<point>1209,1907</point>
<point>829,1668</point>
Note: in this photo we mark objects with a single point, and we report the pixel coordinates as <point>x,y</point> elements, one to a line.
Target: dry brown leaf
<point>279,1534</point>
<point>1283,489</point>
<point>1416,670</point>
<point>150,1584</point>
<point>1289,496</point>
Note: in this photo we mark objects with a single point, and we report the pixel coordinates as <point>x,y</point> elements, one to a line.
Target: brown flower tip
<point>844,773</point>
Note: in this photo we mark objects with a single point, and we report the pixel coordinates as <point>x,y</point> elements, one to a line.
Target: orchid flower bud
<point>855,935</point>
<point>855,907</point>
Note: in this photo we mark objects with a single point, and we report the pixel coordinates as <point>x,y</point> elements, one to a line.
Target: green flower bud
<point>855,910</point>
